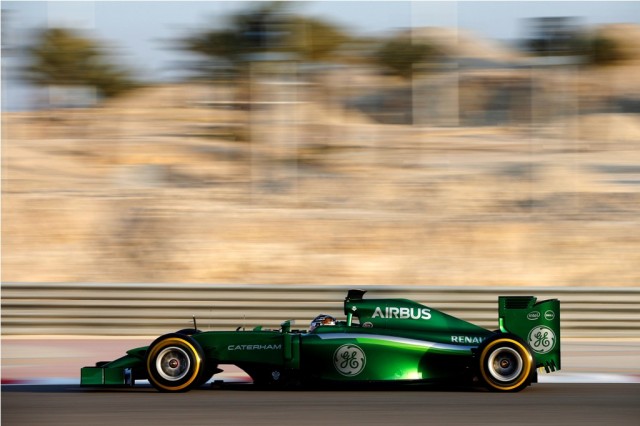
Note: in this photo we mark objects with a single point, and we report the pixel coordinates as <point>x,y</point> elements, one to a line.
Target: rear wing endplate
<point>538,324</point>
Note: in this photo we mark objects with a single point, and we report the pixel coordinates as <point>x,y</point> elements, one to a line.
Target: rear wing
<point>538,324</point>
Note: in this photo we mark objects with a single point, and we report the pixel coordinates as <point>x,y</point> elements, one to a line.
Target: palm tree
<point>267,28</point>
<point>63,58</point>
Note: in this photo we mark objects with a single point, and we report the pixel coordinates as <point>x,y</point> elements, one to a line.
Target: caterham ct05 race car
<point>381,341</point>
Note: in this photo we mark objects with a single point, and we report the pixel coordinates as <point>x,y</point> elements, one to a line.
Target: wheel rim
<point>505,364</point>
<point>173,363</point>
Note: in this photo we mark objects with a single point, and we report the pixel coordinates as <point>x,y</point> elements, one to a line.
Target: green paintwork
<point>121,372</point>
<point>381,340</point>
<point>537,323</point>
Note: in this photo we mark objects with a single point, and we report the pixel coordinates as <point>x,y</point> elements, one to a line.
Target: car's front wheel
<point>175,363</point>
<point>505,363</point>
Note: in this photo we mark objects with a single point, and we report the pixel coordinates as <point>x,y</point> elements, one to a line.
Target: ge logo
<point>349,360</point>
<point>542,339</point>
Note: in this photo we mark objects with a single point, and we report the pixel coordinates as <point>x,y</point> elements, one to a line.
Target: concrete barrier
<point>149,309</point>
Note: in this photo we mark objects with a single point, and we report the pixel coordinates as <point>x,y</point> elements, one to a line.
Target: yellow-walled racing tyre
<point>175,363</point>
<point>505,363</point>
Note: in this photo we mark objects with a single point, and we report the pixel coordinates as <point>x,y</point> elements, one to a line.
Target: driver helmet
<point>322,320</point>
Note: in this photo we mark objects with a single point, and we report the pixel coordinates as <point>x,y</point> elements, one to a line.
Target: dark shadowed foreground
<point>576,404</point>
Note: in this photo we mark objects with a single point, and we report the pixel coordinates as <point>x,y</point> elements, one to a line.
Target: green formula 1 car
<point>382,340</point>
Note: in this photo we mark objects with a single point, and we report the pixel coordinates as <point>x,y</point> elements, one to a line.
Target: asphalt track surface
<point>541,404</point>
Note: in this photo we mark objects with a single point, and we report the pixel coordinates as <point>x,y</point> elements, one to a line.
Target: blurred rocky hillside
<point>496,171</point>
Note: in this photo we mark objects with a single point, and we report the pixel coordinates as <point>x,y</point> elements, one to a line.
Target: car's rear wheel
<point>505,363</point>
<point>175,363</point>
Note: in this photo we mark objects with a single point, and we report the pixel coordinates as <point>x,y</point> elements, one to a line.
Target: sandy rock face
<point>187,183</point>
